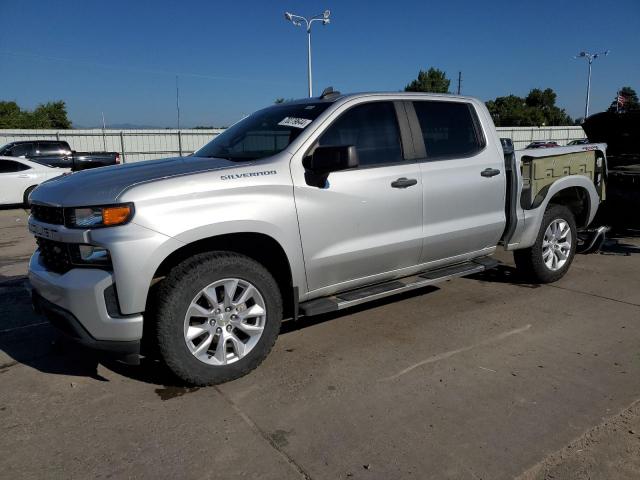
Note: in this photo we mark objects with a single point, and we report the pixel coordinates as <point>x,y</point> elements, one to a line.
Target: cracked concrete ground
<point>483,377</point>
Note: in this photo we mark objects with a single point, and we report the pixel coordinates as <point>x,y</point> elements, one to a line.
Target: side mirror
<point>331,159</point>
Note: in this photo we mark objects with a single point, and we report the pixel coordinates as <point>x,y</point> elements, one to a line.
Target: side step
<point>373,292</point>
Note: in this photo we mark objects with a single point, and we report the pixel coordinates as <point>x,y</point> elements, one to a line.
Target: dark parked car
<point>582,141</point>
<point>58,154</point>
<point>621,133</point>
<point>542,144</point>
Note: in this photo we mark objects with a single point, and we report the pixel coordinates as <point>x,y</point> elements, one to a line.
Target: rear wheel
<point>552,253</point>
<point>218,317</point>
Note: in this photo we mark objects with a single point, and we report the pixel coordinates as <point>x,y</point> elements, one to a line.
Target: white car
<point>18,177</point>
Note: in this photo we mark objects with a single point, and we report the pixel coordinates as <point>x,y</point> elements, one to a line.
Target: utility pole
<point>178,101</point>
<point>104,137</point>
<point>459,82</point>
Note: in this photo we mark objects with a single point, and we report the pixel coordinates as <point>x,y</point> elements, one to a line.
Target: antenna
<point>329,92</point>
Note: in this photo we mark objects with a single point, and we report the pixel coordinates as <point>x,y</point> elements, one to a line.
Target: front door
<point>362,225</point>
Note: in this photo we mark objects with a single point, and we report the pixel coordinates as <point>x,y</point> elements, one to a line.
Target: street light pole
<point>586,107</point>
<point>297,21</point>
<point>309,74</point>
<point>590,58</point>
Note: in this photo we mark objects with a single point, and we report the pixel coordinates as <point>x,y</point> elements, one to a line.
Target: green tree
<point>433,80</point>
<point>631,100</point>
<point>542,108</point>
<point>10,115</point>
<point>53,114</point>
<point>48,115</point>
<point>509,110</point>
<point>536,109</point>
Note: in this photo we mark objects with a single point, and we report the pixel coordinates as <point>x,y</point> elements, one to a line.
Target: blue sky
<point>121,57</point>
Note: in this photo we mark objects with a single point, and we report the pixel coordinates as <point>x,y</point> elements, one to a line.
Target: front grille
<point>47,214</point>
<point>54,255</point>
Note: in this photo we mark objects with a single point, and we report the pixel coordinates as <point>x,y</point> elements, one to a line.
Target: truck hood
<point>104,185</point>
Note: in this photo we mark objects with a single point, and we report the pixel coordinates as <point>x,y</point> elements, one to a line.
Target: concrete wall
<point>137,145</point>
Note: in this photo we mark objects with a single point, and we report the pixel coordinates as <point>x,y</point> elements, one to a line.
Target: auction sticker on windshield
<point>294,122</point>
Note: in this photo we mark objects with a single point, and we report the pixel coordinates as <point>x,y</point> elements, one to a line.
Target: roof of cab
<point>408,95</point>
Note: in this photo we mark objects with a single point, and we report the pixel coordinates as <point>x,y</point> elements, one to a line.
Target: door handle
<point>23,176</point>
<point>404,182</point>
<point>490,172</point>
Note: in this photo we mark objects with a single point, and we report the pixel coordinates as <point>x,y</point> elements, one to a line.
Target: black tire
<point>529,261</point>
<point>175,295</point>
<point>25,197</point>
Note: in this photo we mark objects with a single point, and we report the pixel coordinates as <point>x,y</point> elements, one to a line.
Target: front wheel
<point>218,317</point>
<point>551,255</point>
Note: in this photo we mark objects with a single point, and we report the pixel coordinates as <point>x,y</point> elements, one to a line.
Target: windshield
<point>264,133</point>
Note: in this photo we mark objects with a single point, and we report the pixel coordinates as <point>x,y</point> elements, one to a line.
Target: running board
<point>351,298</point>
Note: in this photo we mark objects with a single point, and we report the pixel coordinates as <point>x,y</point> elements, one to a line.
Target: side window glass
<point>449,129</point>
<point>21,150</point>
<point>372,128</point>
<point>7,166</point>
<point>49,148</point>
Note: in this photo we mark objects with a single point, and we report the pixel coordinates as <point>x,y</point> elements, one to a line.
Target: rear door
<point>359,228</point>
<point>464,181</point>
<point>54,154</point>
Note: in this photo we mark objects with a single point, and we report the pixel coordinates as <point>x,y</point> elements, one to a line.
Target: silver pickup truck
<point>302,208</point>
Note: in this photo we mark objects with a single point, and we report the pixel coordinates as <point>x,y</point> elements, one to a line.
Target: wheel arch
<point>260,247</point>
<point>576,192</point>
<point>27,192</point>
<point>577,200</point>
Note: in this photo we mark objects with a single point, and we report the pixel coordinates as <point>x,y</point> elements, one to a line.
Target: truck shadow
<point>291,325</point>
<point>28,339</point>
<point>504,274</point>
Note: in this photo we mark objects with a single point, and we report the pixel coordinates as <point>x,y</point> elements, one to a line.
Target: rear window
<point>449,129</point>
<point>264,133</point>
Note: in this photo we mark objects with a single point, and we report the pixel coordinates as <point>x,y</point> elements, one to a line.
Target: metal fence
<point>523,136</point>
<point>137,145</point>
<point>133,145</point>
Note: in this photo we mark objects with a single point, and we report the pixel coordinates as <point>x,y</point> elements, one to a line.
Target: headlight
<point>92,217</point>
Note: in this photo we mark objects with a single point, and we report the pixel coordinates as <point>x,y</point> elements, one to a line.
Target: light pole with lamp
<point>297,20</point>
<point>590,58</point>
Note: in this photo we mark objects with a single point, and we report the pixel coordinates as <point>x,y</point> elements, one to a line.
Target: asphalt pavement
<point>483,377</point>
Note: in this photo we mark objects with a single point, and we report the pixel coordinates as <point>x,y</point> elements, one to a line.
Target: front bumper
<point>71,327</point>
<point>81,296</point>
